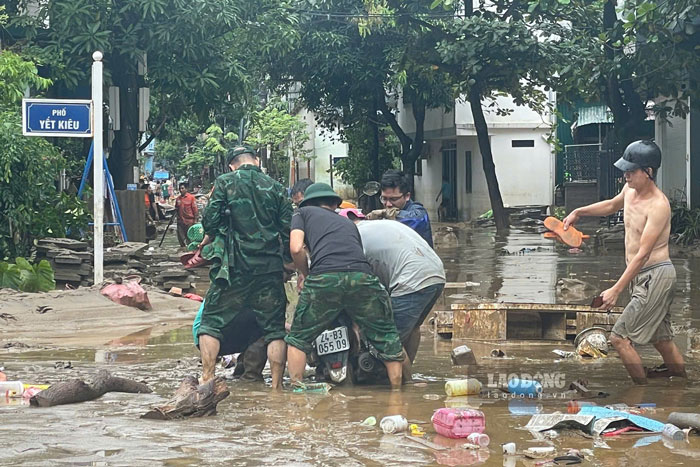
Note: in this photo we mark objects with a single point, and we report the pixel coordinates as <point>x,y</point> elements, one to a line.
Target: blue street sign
<point>57,117</point>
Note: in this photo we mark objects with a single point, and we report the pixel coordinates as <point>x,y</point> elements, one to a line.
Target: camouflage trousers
<point>263,294</point>
<point>361,296</point>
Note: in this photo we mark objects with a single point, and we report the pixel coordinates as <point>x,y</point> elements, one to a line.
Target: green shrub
<point>26,277</point>
<point>685,223</point>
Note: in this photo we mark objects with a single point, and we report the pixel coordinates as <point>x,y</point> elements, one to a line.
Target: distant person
<point>446,194</point>
<point>187,213</point>
<point>339,279</point>
<point>298,190</point>
<point>649,274</point>
<point>396,195</point>
<point>165,189</point>
<point>408,268</point>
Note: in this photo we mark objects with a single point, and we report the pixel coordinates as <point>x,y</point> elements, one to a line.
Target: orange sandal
<point>571,236</point>
<point>196,261</point>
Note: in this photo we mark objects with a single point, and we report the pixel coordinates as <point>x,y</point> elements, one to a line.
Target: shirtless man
<point>649,271</point>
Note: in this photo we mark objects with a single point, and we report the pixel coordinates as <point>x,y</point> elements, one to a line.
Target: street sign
<point>57,117</point>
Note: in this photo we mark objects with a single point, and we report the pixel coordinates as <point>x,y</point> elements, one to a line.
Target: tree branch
<point>153,134</point>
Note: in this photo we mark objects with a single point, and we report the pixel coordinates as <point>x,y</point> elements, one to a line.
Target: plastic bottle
<point>463,387</point>
<point>480,439</point>
<point>393,424</point>
<point>574,406</point>
<point>524,387</point>
<point>11,388</point>
<point>673,432</point>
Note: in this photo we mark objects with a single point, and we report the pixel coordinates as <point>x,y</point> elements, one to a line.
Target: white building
<point>524,159</point>
<point>325,148</point>
<point>679,176</point>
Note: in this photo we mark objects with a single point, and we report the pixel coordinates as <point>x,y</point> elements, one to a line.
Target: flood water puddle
<point>255,426</point>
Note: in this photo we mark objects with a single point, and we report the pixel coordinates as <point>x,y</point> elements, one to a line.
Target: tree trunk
<point>482,132</point>
<point>76,390</point>
<point>122,158</point>
<point>191,400</point>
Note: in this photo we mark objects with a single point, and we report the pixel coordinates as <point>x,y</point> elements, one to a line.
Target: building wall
<point>671,138</point>
<point>322,144</point>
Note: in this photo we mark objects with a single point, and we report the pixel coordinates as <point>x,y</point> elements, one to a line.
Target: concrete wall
<point>525,175</point>
<point>323,144</point>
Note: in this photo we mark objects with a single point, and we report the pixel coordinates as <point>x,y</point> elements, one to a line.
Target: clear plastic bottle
<point>673,432</point>
<point>393,424</point>
<point>480,439</point>
<point>463,387</point>
<point>11,388</point>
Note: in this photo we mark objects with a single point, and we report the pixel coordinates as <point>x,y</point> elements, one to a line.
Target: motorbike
<point>341,352</point>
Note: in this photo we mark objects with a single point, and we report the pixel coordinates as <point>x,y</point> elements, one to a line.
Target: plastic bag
<point>129,293</point>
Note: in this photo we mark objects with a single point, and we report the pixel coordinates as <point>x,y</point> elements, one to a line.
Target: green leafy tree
<point>285,134</point>
<point>188,48</point>
<point>355,169</point>
<point>209,149</point>
<point>27,277</point>
<point>31,205</point>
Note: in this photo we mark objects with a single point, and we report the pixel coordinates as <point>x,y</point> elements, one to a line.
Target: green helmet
<point>319,190</point>
<point>238,150</point>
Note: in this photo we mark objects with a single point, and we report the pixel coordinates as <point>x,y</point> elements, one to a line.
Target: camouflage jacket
<point>260,216</point>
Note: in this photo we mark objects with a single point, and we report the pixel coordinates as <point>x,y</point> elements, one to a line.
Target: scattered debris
<point>685,420</point>
<point>592,342</point>
<point>458,422</point>
<point>63,365</point>
<point>129,294</point>
<point>369,421</point>
<point>7,317</point>
<point>463,387</point>
<point>43,309</point>
<point>462,355</point>
<point>76,390</point>
<point>393,424</point>
<point>498,353</point>
<point>564,354</point>
<point>15,345</point>
<point>191,400</point>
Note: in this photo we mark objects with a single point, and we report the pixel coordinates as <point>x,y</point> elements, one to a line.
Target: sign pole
<point>98,168</point>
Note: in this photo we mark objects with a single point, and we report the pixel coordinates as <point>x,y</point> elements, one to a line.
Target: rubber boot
<point>254,357</point>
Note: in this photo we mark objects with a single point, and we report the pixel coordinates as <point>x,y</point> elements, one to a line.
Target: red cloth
<point>186,209</point>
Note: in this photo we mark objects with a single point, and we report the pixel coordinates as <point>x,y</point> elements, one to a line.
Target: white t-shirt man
<point>401,259</point>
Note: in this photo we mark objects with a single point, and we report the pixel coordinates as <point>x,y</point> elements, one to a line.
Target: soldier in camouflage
<point>248,217</point>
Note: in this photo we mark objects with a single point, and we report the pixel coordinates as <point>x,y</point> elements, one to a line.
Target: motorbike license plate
<point>333,340</point>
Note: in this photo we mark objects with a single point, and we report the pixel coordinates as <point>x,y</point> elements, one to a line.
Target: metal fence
<point>581,162</point>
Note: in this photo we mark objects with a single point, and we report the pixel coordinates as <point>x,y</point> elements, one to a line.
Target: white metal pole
<point>97,167</point>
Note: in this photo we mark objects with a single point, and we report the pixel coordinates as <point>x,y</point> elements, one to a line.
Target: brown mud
<point>255,426</point>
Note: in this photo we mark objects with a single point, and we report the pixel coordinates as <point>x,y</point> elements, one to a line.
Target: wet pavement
<point>255,426</point>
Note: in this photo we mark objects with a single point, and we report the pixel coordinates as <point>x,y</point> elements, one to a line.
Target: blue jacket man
<point>396,193</point>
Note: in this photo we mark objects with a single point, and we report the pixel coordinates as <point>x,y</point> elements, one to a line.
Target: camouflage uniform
<point>326,295</point>
<point>247,261</point>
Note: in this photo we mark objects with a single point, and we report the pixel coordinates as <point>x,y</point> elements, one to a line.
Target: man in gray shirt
<point>410,270</point>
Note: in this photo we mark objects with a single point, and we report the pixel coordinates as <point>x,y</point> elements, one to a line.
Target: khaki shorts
<point>647,317</point>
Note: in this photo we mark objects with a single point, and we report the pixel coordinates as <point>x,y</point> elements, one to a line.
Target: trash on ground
<point>539,452</point>
<point>194,296</point>
<point>129,293</point>
<point>432,397</point>
<point>685,420</point>
<point>75,390</point>
<point>462,355</point>
<point>524,387</point>
<point>479,439</point>
<point>603,414</point>
<point>458,423</point>
<point>191,400</point>
<point>11,388</point>
<point>393,424</point>
<point>369,421</point>
<point>416,430</point>
<point>575,406</point>
<point>463,387</point>
<point>520,406</point>
<point>508,448</point>
<point>318,388</point>
<point>592,342</point>
<point>497,353</point>
<point>564,353</point>
<point>673,432</point>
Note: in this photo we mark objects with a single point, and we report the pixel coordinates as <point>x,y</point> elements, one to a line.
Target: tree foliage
<point>32,207</point>
<point>27,277</point>
<point>285,135</point>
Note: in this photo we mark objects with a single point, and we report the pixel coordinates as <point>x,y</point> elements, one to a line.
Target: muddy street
<point>256,426</point>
